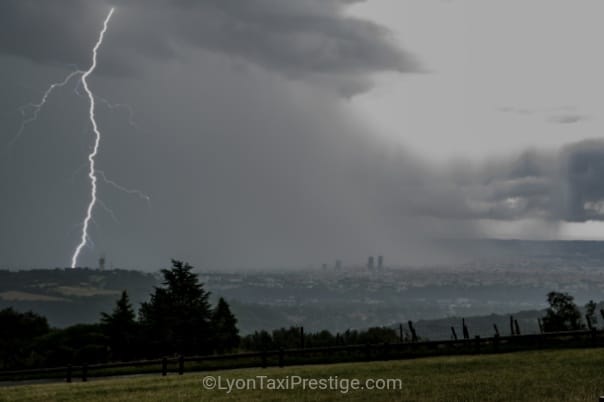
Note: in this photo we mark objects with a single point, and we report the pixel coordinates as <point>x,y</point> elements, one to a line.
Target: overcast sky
<point>276,133</point>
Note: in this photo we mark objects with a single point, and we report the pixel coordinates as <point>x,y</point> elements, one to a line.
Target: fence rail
<point>314,355</point>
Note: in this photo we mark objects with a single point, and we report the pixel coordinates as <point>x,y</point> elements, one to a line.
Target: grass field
<point>553,375</point>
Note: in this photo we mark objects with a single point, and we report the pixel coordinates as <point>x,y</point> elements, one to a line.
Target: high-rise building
<point>338,265</point>
<point>380,263</point>
<point>370,263</point>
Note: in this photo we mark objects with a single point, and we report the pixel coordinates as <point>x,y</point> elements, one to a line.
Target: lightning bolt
<point>112,106</point>
<point>97,141</point>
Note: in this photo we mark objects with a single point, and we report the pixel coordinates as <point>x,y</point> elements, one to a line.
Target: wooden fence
<point>315,355</point>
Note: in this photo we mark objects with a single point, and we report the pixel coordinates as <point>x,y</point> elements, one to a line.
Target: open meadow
<point>553,375</point>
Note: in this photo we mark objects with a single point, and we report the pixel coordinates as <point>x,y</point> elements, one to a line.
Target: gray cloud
<point>516,110</point>
<point>306,39</point>
<point>559,115</point>
<point>568,118</point>
<point>562,186</point>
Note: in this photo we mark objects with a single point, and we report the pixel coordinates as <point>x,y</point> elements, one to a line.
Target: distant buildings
<point>374,264</point>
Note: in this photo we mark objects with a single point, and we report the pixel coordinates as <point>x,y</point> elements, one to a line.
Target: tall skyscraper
<point>370,263</point>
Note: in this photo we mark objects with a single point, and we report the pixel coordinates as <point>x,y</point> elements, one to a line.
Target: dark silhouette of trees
<point>177,317</point>
<point>289,338</point>
<point>17,334</point>
<point>224,327</point>
<point>562,314</point>
<point>121,329</point>
<point>78,344</point>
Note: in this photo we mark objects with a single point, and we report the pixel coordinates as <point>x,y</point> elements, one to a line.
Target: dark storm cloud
<point>582,170</point>
<point>302,39</point>
<point>563,186</point>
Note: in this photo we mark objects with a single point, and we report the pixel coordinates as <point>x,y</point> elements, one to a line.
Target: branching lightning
<point>126,190</point>
<point>97,140</point>
<point>108,210</point>
<point>36,107</point>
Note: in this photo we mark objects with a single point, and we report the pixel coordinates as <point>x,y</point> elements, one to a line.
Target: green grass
<point>552,375</point>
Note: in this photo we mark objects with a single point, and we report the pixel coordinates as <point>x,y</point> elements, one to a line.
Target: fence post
<point>301,337</point>
<point>181,365</point>
<point>466,333</point>
<point>496,342</point>
<point>412,330</point>
<point>400,333</point>
<point>477,343</point>
<point>84,373</point>
<point>496,330</point>
<point>281,357</point>
<point>164,367</point>
<point>540,325</point>
<point>68,378</point>
<point>454,333</point>
<point>512,325</point>
<point>517,327</point>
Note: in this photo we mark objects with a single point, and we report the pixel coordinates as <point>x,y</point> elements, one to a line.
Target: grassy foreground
<point>560,375</point>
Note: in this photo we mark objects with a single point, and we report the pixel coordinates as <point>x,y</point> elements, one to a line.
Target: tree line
<point>178,319</point>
